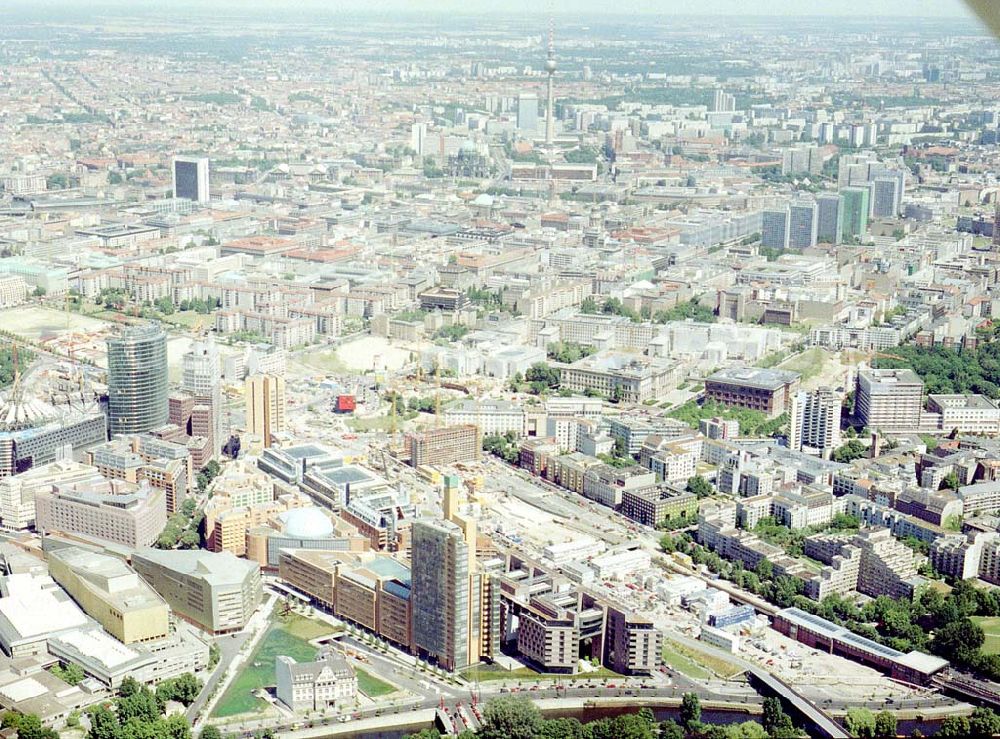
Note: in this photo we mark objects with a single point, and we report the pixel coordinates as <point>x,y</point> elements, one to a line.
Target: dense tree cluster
<point>851,450</point>
<point>453,332</point>
<point>24,358</point>
<point>504,446</point>
<point>71,674</point>
<point>752,423</point>
<point>137,713</point>
<point>538,379</point>
<point>690,309</point>
<point>949,370</point>
<point>28,726</point>
<point>183,529</point>
<point>568,352</point>
<point>699,486</point>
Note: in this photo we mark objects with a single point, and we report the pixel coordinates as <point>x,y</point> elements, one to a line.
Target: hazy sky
<point>910,8</point>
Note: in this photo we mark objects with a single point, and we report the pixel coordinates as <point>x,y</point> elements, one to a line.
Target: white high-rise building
<point>202,378</point>
<point>723,102</point>
<point>815,422</point>
<point>418,137</point>
<point>191,178</point>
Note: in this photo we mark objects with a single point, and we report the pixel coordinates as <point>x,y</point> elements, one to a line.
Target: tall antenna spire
<point>550,67</point>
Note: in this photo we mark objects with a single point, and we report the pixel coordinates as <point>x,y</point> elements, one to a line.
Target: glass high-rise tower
<point>440,592</point>
<point>137,380</point>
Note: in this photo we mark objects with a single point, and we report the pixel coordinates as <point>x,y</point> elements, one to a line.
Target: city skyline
<point>735,8</point>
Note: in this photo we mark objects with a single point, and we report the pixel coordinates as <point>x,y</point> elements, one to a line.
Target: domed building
<point>309,527</point>
<point>306,523</point>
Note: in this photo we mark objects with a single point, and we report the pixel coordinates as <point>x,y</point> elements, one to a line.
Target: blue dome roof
<point>307,523</point>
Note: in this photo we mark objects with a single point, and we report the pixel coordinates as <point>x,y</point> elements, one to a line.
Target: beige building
<point>111,593</point>
<point>264,396</point>
<point>112,510</point>
<point>217,592</point>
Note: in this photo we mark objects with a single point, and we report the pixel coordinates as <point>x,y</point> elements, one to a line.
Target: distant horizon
<point>857,9</point>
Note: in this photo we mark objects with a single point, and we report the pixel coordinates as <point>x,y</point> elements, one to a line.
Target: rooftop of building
<point>216,568</point>
<point>765,379</point>
<point>116,581</point>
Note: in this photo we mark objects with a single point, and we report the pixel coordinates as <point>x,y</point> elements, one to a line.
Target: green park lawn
<point>991,627</point>
<point>288,635</point>
<point>372,686</point>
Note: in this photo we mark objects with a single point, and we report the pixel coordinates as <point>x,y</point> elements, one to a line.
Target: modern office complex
<point>202,379</point>
<point>775,225</point>
<point>444,445</point>
<point>218,592</point>
<point>527,112</point>
<point>137,380</point>
<point>43,434</point>
<point>440,586</point>
<point>191,178</point>
<point>368,589</point>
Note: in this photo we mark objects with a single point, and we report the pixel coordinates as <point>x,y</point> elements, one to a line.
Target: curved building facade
<point>137,380</point>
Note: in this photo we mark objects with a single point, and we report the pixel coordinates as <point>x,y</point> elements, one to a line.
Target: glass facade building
<point>137,380</point>
<point>440,592</point>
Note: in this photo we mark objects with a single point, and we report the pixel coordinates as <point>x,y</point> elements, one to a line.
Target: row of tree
<point>518,718</point>
<point>690,309</point>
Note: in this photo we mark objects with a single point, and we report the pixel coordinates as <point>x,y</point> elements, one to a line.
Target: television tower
<point>550,67</point>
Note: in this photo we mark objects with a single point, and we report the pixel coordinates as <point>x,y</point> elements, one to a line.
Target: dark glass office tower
<point>137,380</point>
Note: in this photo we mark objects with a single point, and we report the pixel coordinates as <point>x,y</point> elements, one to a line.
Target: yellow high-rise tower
<point>264,396</point>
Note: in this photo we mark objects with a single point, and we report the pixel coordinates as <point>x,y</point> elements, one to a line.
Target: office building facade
<point>855,217</point>
<point>137,380</point>
<point>202,379</point>
<point>444,445</point>
<point>111,510</point>
<point>802,224</point>
<point>264,396</point>
<point>191,178</point>
<point>889,399</point>
<point>829,218</point>
<point>774,231</point>
<point>527,113</point>
<point>218,592</point>
<point>440,575</point>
